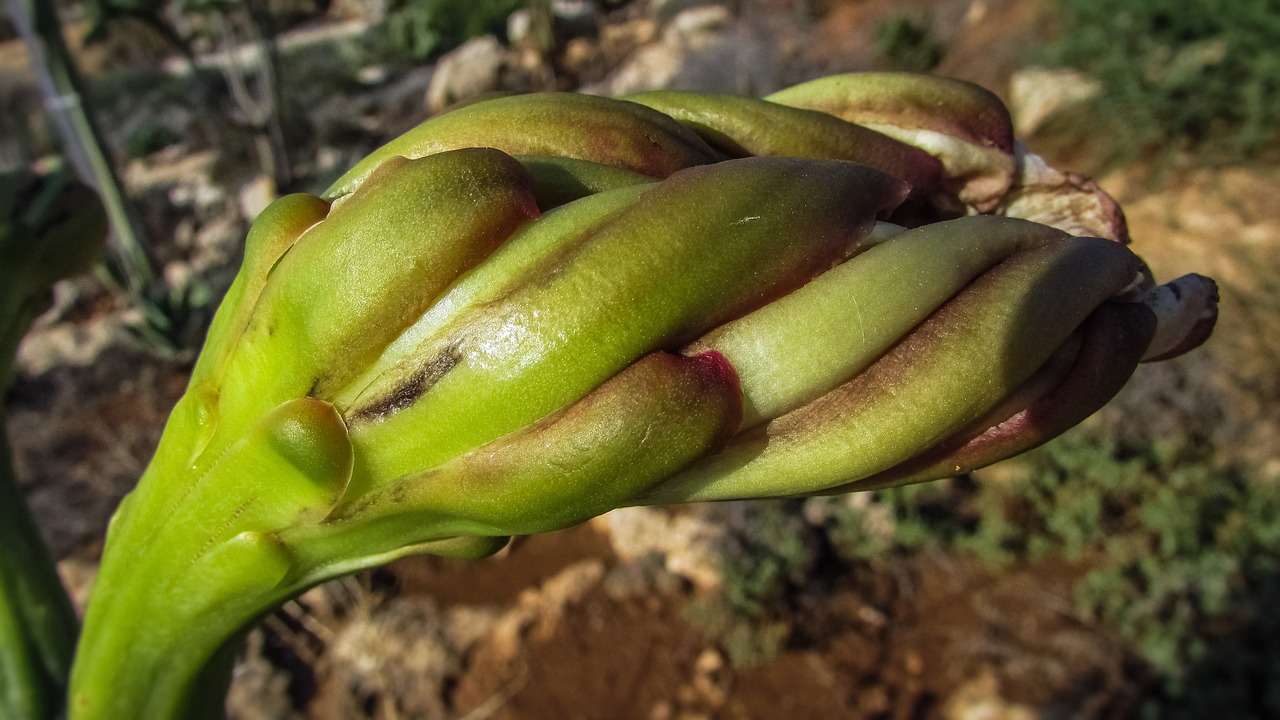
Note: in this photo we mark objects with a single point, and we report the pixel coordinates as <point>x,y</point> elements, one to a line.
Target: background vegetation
<point>1194,75</point>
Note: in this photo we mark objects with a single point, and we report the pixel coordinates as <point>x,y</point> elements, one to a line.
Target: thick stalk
<point>163,649</point>
<point>172,591</point>
<point>37,621</point>
<point>148,663</point>
<point>204,547</point>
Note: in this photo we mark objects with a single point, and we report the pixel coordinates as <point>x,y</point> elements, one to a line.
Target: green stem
<point>187,571</point>
<point>37,621</point>
<point>155,622</point>
<point>56,71</point>
<point>176,588</point>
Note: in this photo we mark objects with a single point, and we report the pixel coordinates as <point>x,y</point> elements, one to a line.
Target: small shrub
<point>900,521</point>
<point>173,320</point>
<point>149,138</point>
<point>774,550</point>
<point>1182,553</point>
<point>906,45</point>
<point>1199,75</point>
<point>423,29</point>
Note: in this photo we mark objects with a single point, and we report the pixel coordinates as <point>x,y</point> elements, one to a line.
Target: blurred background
<point>1128,569</point>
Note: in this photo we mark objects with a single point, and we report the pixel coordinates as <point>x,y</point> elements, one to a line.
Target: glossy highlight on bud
<point>530,310</point>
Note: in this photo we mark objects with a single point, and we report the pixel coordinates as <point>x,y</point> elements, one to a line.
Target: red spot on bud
<point>716,371</point>
<point>715,366</point>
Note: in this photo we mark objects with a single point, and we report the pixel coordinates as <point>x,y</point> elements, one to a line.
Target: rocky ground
<point>606,620</point>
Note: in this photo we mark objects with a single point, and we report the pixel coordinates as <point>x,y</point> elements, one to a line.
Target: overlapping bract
<point>534,309</point>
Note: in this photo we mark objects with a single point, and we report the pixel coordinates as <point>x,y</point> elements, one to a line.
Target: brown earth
<point>938,637</point>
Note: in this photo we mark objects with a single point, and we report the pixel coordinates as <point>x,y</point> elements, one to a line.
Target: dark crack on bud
<point>414,387</point>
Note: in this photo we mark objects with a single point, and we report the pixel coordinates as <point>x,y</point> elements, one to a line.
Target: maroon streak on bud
<point>406,366</point>
<point>709,244</point>
<point>946,374</point>
<point>799,347</point>
<point>355,281</point>
<point>649,421</point>
<point>967,127</point>
<point>1113,339</point>
<point>908,100</point>
<point>743,127</point>
<point>624,135</point>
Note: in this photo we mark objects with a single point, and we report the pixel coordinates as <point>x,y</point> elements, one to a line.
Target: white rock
<point>255,195</point>
<point>74,344</point>
<point>690,546</point>
<point>1036,94</point>
<point>520,28</point>
<point>372,75</point>
<point>469,70</point>
<point>980,699</point>
<point>700,20</point>
<point>701,49</point>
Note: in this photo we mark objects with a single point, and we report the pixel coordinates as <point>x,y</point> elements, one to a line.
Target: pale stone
<point>471,69</point>
<point>1036,94</point>
<point>691,547</point>
<point>979,699</point>
<point>701,49</point>
<point>255,195</point>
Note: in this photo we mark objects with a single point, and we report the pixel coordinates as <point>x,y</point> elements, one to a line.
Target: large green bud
<point>458,344</point>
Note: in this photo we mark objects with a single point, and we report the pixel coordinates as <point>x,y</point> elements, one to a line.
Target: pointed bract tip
<point>1186,311</point>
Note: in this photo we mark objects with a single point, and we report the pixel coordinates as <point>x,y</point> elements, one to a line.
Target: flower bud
<point>584,127</point>
<point>744,127</point>
<point>533,309</point>
<point>965,126</point>
<point>982,305</point>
